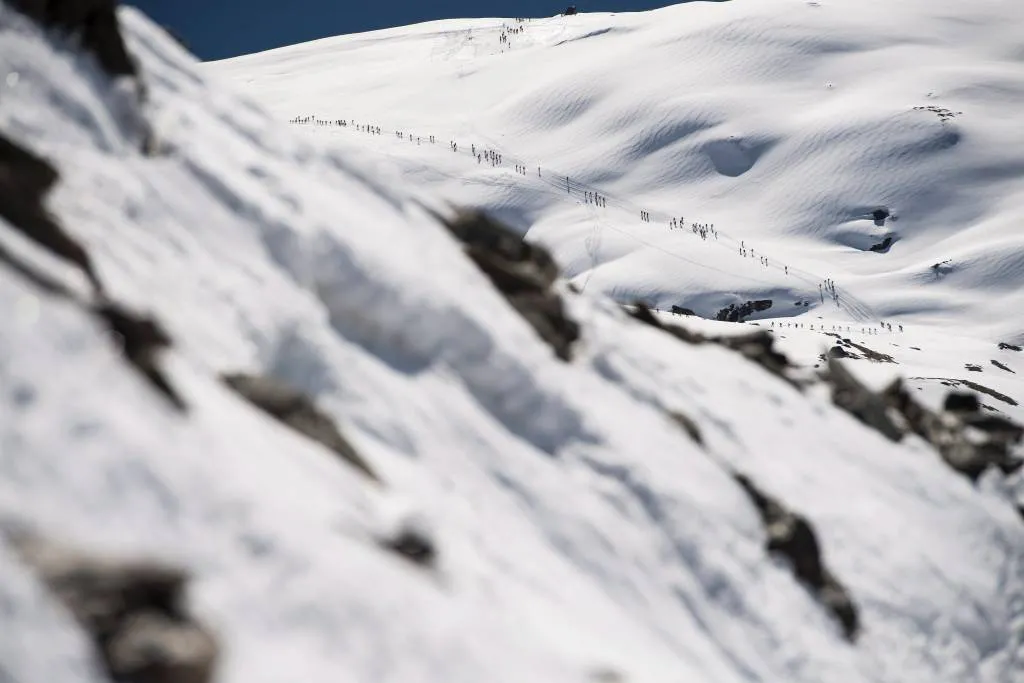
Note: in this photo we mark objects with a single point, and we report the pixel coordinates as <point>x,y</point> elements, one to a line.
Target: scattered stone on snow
<point>1008,347</point>
<point>523,272</point>
<point>972,367</point>
<point>792,536</point>
<point>298,412</point>
<point>133,610</point>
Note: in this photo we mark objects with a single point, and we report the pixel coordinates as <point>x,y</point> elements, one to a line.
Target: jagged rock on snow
<point>132,610</point>
<point>142,340</point>
<point>737,313</point>
<point>299,412</point>
<point>849,394</point>
<point>793,537</point>
<point>25,180</point>
<point>523,272</point>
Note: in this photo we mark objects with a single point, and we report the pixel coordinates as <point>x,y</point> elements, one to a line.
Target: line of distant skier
<point>494,158</point>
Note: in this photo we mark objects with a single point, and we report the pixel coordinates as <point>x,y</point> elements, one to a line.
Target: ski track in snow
<point>579,528</point>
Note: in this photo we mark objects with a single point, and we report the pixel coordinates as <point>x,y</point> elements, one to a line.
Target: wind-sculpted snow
<point>562,523</point>
<point>778,121</point>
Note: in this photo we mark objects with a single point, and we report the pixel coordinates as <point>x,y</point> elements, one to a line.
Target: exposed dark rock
<point>523,272</point>
<point>298,412</point>
<point>961,402</point>
<point>687,423</point>
<point>837,352</point>
<point>868,407</point>
<point>882,246</point>
<point>1002,367</point>
<point>879,215</point>
<point>25,180</point>
<point>679,310</point>
<point>982,389</point>
<point>792,536</point>
<point>1009,347</point>
<point>132,610</point>
<point>414,545</point>
<point>641,312</point>
<point>737,313</point>
<point>545,313</point>
<point>972,367</point>
<point>93,21</point>
<point>757,346</point>
<point>968,440</point>
<point>141,340</point>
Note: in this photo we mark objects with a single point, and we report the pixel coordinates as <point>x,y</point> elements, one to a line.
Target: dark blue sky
<point>214,29</point>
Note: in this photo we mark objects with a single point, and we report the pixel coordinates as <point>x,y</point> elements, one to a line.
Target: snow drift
<point>529,516</point>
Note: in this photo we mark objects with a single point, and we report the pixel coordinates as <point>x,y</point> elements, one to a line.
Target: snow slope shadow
<point>735,156</point>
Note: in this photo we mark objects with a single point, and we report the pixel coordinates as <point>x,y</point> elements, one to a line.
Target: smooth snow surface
<point>582,534</point>
<point>784,123</point>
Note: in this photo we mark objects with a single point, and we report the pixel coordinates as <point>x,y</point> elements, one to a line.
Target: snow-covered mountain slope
<point>581,533</point>
<point>786,124</point>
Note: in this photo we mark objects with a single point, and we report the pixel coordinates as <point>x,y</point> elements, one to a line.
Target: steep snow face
<point>582,534</point>
<point>784,123</point>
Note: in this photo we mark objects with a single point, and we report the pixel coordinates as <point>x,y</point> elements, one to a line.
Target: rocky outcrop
<point>757,346</point>
<point>967,440</point>
<point>883,246</point>
<point>133,611</point>
<point>25,181</point>
<point>298,411</point>
<point>870,408</point>
<point>523,272</point>
<point>737,313</point>
<point>844,344</point>
<point>679,310</point>
<point>1006,346</point>
<point>93,21</point>
<point>791,536</point>
<point>1002,366</point>
<point>141,341</point>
